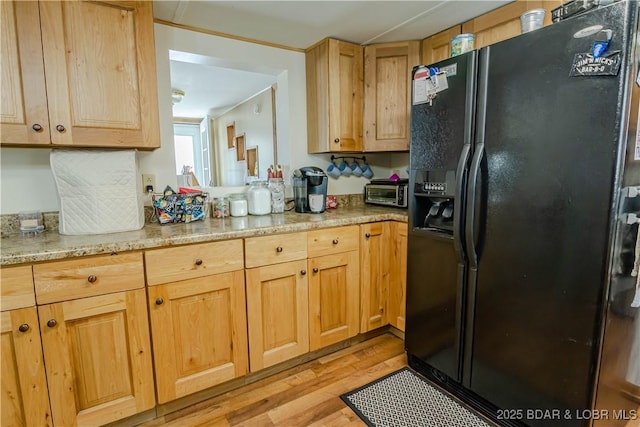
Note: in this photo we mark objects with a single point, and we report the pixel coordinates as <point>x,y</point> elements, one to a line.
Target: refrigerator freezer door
<point>551,147</point>
<point>441,136</point>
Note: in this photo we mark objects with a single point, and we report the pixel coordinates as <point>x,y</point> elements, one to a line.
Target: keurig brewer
<point>309,189</point>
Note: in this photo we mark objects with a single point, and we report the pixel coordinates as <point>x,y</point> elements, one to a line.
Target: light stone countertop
<point>50,245</point>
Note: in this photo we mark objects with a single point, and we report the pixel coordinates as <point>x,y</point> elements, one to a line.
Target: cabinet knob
<point>198,261</point>
<point>367,235</point>
<point>92,279</point>
<point>279,249</point>
<point>52,322</point>
<point>315,269</point>
<point>159,301</point>
<point>23,328</point>
<point>337,140</point>
<point>335,241</point>
<point>37,127</point>
<point>60,128</point>
<point>303,272</point>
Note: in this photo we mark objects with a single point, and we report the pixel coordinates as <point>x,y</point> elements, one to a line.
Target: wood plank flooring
<point>306,395</point>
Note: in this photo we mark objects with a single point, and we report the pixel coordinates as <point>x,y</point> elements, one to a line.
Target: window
<point>192,150</point>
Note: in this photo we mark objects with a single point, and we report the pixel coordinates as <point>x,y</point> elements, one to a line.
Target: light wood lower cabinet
<point>375,241</point>
<point>98,358</point>
<point>333,298</point>
<point>277,313</point>
<point>25,399</point>
<point>199,333</point>
<point>398,279</point>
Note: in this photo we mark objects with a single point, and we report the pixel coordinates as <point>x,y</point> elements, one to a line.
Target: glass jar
<point>238,204</point>
<point>220,207</point>
<point>276,186</point>
<point>259,198</point>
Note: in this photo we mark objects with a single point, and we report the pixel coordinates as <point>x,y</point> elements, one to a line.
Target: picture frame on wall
<point>240,148</point>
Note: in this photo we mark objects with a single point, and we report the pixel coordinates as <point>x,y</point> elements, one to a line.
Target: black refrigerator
<point>522,156</point>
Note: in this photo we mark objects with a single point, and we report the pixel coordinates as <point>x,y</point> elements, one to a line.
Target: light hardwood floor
<point>307,395</point>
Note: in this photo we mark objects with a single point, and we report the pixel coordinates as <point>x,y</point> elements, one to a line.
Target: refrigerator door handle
<point>471,206</point>
<point>458,213</point>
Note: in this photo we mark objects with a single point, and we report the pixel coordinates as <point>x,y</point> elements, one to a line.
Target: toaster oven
<point>387,193</point>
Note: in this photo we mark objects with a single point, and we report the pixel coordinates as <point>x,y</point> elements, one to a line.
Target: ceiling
<point>298,25</point>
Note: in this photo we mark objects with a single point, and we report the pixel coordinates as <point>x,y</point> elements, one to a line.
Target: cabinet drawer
<point>16,287</point>
<point>84,277</point>
<point>333,240</point>
<point>188,262</point>
<point>266,250</point>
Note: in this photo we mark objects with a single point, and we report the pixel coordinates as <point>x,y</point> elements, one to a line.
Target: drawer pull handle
<point>279,249</point>
<point>60,128</point>
<point>315,269</point>
<point>159,301</point>
<point>52,322</point>
<point>337,140</point>
<point>24,327</point>
<point>335,241</point>
<point>367,235</point>
<point>198,261</point>
<point>37,127</point>
<point>92,279</point>
<point>303,272</point>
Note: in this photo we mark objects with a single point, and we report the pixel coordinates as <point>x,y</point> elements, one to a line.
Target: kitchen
<point>297,152</point>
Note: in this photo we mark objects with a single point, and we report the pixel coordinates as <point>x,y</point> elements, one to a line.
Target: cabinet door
<point>199,333</point>
<point>98,358</point>
<point>374,270</point>
<point>334,97</point>
<point>277,313</point>
<point>438,47</point>
<point>504,22</point>
<point>23,106</point>
<point>333,298</point>
<point>100,72</point>
<point>25,401</point>
<point>398,281</point>
<point>387,94</point>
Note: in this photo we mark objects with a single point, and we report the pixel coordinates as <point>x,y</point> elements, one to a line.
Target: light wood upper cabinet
<point>277,313</point>
<point>438,46</point>
<point>23,105</point>
<point>375,274</point>
<point>334,97</point>
<point>98,358</point>
<point>99,68</point>
<point>396,312</point>
<point>504,22</point>
<point>387,95</point>
<point>199,332</point>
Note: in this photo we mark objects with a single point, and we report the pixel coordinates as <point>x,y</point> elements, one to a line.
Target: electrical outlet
<point>148,182</point>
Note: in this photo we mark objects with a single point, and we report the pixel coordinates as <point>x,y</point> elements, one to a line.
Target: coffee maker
<point>309,189</point>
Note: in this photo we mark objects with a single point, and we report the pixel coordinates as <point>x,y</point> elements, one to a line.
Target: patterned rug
<point>403,398</point>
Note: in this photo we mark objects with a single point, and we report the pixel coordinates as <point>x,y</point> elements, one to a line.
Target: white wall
<point>26,181</point>
<point>258,132</point>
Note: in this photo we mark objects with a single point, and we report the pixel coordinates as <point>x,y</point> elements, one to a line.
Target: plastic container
<point>276,186</point>
<point>461,43</point>
<point>31,222</point>
<point>532,20</point>
<point>220,207</point>
<point>238,204</point>
<point>259,198</point>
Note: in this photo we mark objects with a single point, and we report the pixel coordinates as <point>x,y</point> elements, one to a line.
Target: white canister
<point>238,204</point>
<point>259,198</point>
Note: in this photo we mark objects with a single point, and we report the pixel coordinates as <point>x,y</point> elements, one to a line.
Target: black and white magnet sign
<point>584,64</point>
